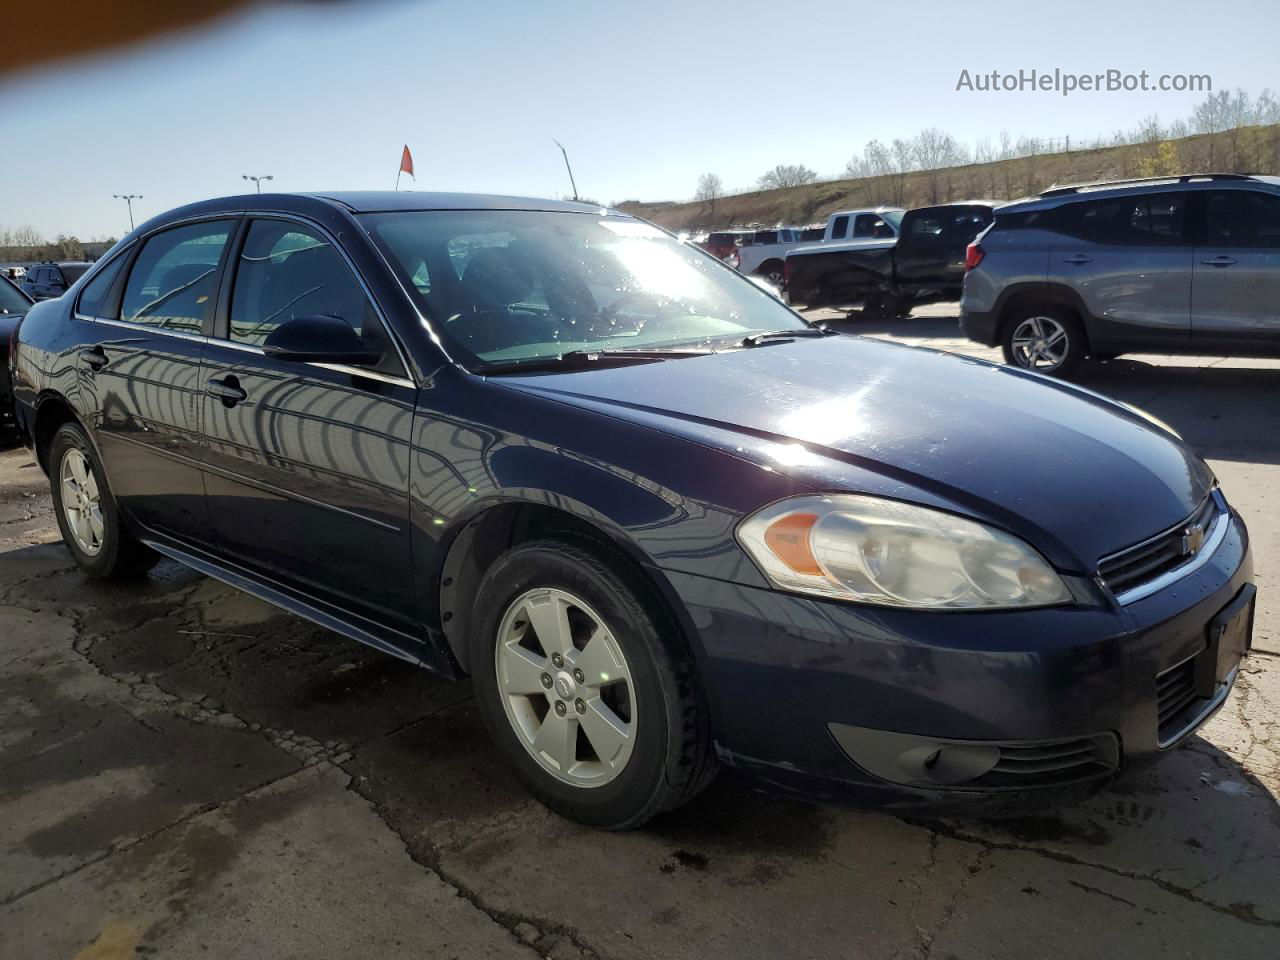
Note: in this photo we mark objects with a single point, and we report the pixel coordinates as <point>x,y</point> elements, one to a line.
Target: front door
<point>1236,298</point>
<point>307,465</point>
<point>140,362</point>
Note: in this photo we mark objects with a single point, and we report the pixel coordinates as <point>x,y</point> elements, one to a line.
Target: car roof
<point>367,201</point>
<point>1072,193</point>
<point>377,201</point>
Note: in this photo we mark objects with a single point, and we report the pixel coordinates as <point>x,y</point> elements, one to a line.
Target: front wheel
<point>1046,340</point>
<point>585,685</point>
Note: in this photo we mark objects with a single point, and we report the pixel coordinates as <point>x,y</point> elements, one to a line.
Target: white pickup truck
<point>764,253</point>
<point>761,254</point>
<point>877,223</point>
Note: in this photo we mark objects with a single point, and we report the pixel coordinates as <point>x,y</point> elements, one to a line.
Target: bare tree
<point>933,150</point>
<point>709,188</point>
<point>787,175</point>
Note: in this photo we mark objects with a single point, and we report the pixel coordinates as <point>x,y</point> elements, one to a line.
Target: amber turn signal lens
<point>788,538</point>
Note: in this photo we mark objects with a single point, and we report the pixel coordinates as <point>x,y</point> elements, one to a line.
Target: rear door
<point>140,361</point>
<point>1235,298</point>
<point>1130,260</point>
<point>307,464</point>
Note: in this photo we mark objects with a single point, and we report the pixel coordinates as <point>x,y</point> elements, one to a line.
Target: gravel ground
<point>186,772</point>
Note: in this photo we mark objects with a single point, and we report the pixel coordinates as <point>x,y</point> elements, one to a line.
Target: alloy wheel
<point>81,502</point>
<point>1040,343</point>
<point>566,687</point>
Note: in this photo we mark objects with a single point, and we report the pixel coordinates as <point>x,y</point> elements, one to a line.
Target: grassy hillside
<point>1251,149</point>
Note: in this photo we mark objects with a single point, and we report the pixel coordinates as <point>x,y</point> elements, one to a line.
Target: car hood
<point>1076,474</point>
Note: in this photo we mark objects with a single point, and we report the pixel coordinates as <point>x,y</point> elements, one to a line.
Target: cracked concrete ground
<point>185,771</point>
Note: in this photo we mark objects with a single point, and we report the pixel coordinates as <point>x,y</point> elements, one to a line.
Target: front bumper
<point>789,676</point>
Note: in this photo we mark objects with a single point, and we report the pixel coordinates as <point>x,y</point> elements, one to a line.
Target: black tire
<point>671,759</point>
<point>772,272</point>
<point>120,555</point>
<point>1077,343</point>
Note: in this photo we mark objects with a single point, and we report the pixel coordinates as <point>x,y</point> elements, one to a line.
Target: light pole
<point>128,198</point>
<point>257,181</point>
<point>567,167</point>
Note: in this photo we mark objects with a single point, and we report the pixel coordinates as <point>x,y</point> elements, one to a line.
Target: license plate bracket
<point>1230,639</point>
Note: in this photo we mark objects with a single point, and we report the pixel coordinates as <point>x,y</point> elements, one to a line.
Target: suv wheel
<point>1045,339</point>
<point>586,688</point>
<point>87,513</point>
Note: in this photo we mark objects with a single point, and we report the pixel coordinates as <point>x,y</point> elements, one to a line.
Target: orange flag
<point>406,162</point>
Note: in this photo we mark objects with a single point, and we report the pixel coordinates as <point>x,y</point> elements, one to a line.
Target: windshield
<point>11,299</point>
<point>515,285</point>
<point>893,218</point>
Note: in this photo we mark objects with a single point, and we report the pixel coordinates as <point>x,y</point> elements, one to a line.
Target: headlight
<point>854,547</point>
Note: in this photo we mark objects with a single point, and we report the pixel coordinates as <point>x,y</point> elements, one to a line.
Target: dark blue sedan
<point>660,521</point>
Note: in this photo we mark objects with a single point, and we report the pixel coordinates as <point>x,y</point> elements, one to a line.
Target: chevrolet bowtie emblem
<point>1192,539</point>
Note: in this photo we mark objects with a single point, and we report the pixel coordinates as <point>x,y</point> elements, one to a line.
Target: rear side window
<point>840,228</point>
<point>767,236</point>
<point>1154,219</point>
<point>172,281</point>
<point>94,296</point>
<point>927,225</point>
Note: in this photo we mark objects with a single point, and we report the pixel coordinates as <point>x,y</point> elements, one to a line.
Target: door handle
<point>1219,261</point>
<point>94,357</point>
<point>1077,258</point>
<point>227,390</point>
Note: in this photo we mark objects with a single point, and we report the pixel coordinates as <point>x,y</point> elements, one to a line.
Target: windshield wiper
<point>584,359</point>
<point>782,336</point>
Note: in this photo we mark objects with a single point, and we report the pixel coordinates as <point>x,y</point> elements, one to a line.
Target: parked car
<point>925,264</point>
<point>721,243</point>
<point>1185,264</point>
<point>14,305</point>
<point>658,520</point>
<point>47,280</point>
<point>761,254</point>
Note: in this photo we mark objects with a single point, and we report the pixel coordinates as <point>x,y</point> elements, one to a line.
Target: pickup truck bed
<point>925,263</point>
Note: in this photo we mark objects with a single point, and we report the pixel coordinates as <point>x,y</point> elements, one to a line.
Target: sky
<point>645,96</point>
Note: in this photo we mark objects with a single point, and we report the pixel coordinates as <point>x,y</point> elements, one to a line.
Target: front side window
<point>511,286</point>
<point>870,226</point>
<point>171,284</point>
<point>287,270</point>
<point>1242,218</point>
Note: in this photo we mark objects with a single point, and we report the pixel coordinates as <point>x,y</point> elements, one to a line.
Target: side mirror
<point>319,339</point>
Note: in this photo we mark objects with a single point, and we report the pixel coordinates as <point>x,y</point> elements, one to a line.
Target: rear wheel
<point>87,513</point>
<point>772,273</point>
<point>584,684</point>
<point>1045,339</point>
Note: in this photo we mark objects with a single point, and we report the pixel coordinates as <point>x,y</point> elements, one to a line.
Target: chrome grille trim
<point>1214,536</point>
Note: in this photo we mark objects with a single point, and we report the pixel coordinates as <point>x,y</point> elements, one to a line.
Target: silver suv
<point>1165,265</point>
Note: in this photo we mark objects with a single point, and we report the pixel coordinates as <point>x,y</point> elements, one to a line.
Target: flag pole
<point>398,172</point>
